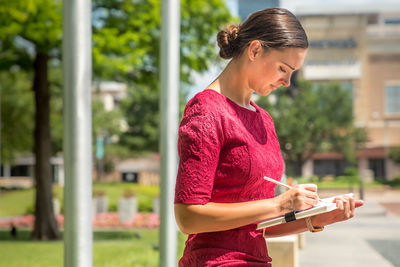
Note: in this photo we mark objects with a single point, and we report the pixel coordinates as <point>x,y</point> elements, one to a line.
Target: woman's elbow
<point>184,219</point>
<point>184,228</point>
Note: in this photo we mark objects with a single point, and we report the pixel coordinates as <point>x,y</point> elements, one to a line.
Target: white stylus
<point>276,182</point>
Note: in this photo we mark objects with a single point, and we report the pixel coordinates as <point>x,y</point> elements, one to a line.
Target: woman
<point>227,144</point>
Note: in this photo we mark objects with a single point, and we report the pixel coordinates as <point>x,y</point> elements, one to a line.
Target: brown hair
<point>276,28</point>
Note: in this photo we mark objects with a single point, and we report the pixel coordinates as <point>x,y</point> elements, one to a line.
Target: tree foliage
<point>394,154</point>
<point>126,38</point>
<point>16,115</point>
<point>126,35</point>
<point>312,119</point>
<point>30,34</point>
<point>105,123</point>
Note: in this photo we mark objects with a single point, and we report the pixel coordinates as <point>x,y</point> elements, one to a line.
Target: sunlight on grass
<point>337,183</point>
<point>110,248</point>
<point>16,202</point>
<point>31,254</point>
<point>20,202</point>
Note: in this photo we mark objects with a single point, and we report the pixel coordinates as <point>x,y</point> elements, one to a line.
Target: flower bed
<point>109,219</point>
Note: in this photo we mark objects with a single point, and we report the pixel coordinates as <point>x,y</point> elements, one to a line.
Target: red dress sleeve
<point>199,146</point>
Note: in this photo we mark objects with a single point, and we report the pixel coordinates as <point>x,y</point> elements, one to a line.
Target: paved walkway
<point>370,239</point>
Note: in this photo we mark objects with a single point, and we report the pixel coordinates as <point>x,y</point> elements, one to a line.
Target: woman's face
<point>273,68</point>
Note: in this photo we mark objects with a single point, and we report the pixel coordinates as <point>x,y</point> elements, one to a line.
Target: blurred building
<point>144,171</point>
<point>20,174</point>
<point>361,51</point>
<point>110,93</point>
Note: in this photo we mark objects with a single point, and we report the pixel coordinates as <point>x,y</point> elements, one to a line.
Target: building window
<point>378,168</point>
<point>131,177</point>
<point>393,21</point>
<point>20,170</point>
<point>330,167</point>
<point>392,99</point>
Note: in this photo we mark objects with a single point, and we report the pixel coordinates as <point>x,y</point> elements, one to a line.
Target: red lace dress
<point>225,151</point>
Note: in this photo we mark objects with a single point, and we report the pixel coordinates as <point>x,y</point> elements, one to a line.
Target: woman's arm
<point>213,216</point>
<point>344,211</point>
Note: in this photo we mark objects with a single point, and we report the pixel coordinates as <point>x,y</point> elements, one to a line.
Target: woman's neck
<point>232,83</point>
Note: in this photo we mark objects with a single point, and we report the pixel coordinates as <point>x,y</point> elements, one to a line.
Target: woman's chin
<point>265,92</point>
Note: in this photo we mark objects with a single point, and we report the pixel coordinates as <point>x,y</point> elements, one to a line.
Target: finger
<point>313,197</point>
<point>339,204</point>
<point>352,204</point>
<point>311,201</point>
<point>359,203</point>
<point>346,206</point>
<point>310,187</point>
<point>306,203</point>
<point>352,207</point>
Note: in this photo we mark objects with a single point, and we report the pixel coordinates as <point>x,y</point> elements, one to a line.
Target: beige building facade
<point>360,51</point>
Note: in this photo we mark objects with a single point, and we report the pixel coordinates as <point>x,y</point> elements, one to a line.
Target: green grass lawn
<point>111,248</point>
<point>20,202</point>
<point>16,202</point>
<point>338,183</point>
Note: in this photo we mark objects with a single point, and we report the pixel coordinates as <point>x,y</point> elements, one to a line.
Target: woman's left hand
<point>345,210</point>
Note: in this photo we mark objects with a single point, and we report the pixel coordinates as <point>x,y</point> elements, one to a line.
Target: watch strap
<point>311,227</point>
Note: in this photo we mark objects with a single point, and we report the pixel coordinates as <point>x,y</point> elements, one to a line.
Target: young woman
<point>227,144</point>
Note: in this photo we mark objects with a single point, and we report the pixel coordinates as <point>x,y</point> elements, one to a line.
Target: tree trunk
<point>45,227</point>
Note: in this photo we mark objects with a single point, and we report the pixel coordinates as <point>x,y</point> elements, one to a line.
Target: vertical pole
<point>77,72</point>
<point>169,109</point>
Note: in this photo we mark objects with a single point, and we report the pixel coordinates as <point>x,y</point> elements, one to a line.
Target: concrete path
<point>370,239</point>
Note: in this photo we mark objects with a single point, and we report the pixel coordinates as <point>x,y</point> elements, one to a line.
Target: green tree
<point>312,119</point>
<point>107,125</point>
<point>394,154</point>
<point>16,115</point>
<point>30,34</point>
<point>126,38</point>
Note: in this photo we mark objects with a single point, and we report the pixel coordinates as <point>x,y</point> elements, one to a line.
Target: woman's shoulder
<point>207,101</point>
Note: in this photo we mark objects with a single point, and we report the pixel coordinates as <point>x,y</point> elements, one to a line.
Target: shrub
<point>145,204</point>
<point>113,207</point>
<point>352,174</point>
<point>29,209</point>
<point>394,154</point>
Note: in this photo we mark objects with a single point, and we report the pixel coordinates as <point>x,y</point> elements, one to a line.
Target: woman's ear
<point>255,49</point>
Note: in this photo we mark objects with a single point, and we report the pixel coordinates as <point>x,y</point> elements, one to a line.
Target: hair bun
<point>226,41</point>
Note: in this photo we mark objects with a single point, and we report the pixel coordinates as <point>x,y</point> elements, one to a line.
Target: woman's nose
<point>286,81</point>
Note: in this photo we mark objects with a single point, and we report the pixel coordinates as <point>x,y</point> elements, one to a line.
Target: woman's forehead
<point>291,56</point>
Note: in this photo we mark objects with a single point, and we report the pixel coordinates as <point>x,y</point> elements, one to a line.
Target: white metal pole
<point>77,73</point>
<point>169,110</point>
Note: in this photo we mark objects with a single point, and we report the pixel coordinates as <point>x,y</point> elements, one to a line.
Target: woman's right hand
<point>300,197</point>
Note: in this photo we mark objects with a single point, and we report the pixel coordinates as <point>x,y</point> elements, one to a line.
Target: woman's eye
<point>282,69</point>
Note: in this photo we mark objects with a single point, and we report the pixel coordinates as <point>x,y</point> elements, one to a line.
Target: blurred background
<point>338,124</point>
